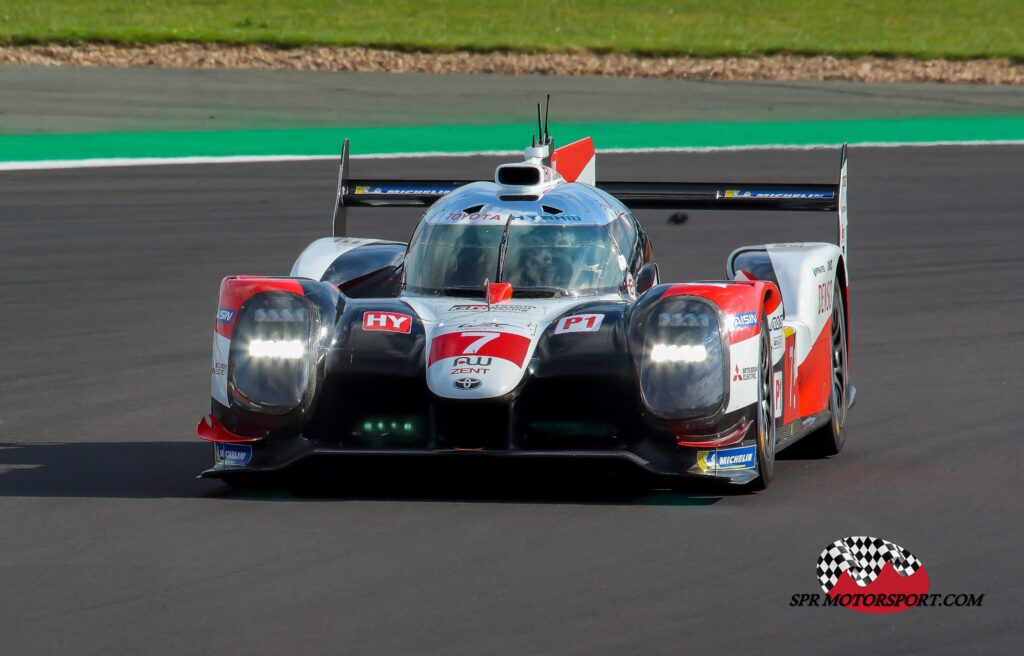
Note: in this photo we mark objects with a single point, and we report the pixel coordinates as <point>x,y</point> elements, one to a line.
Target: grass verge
<point>925,29</point>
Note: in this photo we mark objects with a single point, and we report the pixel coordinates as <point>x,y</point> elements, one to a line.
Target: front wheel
<point>829,440</point>
<point>765,412</point>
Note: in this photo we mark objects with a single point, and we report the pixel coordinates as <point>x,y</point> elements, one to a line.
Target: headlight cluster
<point>271,363</point>
<point>678,345</point>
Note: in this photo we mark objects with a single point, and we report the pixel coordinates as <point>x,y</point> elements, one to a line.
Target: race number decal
<point>491,343</point>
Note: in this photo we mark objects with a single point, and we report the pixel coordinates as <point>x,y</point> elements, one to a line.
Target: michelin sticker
<point>232,455</point>
<point>723,459</point>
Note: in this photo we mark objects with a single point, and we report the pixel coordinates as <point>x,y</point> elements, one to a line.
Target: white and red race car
<point>525,319</point>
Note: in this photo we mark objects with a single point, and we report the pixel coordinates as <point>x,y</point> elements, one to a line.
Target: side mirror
<point>647,278</point>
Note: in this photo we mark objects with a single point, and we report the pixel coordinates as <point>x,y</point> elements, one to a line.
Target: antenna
<point>540,133</point>
<point>547,104</point>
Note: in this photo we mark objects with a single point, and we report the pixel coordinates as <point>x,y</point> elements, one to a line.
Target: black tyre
<point>765,412</point>
<point>828,440</point>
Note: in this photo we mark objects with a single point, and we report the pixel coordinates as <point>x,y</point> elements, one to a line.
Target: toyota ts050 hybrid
<point>525,318</point>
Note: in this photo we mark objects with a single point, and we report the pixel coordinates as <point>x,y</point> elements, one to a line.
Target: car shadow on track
<point>168,470</point>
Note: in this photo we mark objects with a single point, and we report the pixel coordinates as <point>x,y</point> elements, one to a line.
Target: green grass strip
<point>456,139</point>
<point>920,28</point>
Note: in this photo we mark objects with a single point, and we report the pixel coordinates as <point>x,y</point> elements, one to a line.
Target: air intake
<point>524,176</point>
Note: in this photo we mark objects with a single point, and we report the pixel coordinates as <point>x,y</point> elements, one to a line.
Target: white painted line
<point>242,159</point>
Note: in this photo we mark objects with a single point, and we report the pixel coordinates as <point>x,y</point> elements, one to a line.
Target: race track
<point>109,545</point>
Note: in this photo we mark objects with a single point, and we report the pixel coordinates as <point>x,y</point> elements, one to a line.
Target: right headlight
<point>272,352</point>
<point>680,350</point>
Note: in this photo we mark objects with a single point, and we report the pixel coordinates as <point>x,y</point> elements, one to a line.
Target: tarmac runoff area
<point>109,545</point>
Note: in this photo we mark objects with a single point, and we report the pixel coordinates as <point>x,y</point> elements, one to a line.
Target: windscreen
<point>452,257</point>
<point>579,258</point>
<point>558,258</point>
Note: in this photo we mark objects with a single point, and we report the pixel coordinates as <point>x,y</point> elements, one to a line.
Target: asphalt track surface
<point>108,544</point>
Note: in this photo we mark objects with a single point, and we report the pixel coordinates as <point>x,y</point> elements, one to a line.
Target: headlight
<point>678,346</point>
<point>289,349</point>
<point>679,353</point>
<point>272,359</point>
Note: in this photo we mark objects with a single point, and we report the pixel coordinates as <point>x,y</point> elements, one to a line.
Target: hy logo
<point>863,567</point>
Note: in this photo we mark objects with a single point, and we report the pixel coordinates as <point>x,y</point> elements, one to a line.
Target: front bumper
<point>663,461</point>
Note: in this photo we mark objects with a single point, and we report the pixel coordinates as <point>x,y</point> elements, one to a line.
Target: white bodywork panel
<point>320,255</point>
<point>520,322</point>
<point>743,377</point>
<point>807,276</point>
<point>219,368</point>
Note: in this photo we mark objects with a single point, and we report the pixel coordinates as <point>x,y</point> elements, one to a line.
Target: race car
<point>525,319</point>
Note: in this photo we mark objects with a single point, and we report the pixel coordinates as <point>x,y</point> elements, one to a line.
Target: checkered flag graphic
<point>863,557</point>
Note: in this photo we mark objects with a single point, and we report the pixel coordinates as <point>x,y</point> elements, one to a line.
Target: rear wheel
<point>765,412</point>
<point>828,440</point>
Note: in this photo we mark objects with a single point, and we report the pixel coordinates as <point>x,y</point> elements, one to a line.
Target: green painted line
<point>457,139</point>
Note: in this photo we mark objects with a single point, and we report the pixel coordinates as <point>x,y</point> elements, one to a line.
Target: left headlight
<point>681,356</point>
<point>272,352</point>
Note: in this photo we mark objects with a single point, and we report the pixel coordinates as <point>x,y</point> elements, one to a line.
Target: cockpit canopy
<point>563,243</point>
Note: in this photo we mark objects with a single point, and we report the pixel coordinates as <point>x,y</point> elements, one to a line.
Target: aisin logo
<point>871,575</point>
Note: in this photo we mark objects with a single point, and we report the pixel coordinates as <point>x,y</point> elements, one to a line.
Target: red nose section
<point>499,291</point>
<point>212,430</point>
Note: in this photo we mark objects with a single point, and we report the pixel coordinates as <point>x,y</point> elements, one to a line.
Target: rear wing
<point>369,192</point>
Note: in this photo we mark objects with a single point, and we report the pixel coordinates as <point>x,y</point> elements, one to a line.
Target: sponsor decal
<point>472,362</point>
<point>387,321</point>
<point>482,343</point>
<point>775,323</point>
<point>825,297</point>
<point>874,575</point>
<point>476,216</point>
<point>777,393</point>
<point>401,189</point>
<point>579,323</point>
<point>747,373</point>
<point>224,315</point>
<point>759,193</point>
<point>219,369</point>
<point>467,383</point>
<point>822,269</point>
<point>489,325</point>
<point>470,365</point>
<point>744,320</point>
<point>560,218</point>
<point>463,217</point>
<point>483,307</point>
<point>722,459</point>
<point>232,455</point>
